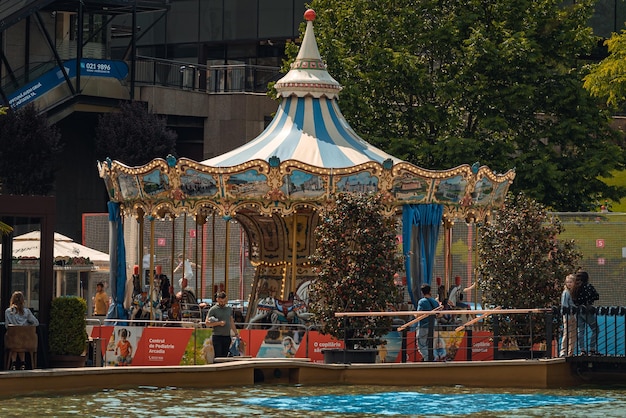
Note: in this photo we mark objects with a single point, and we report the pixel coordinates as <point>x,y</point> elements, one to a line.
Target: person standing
<point>17,314</point>
<point>568,341</point>
<point>220,318</point>
<point>100,301</point>
<point>584,294</point>
<point>425,329</point>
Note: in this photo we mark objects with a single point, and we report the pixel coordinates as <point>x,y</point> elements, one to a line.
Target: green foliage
<point>607,79</point>
<point>67,329</point>
<point>356,258</point>
<point>133,135</point>
<point>445,83</point>
<point>28,145</point>
<point>522,264</point>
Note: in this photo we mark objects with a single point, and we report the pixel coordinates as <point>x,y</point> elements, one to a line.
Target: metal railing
<point>238,78</point>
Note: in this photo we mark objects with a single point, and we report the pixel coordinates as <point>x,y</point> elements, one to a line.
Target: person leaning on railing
<point>568,341</point>
<point>584,294</point>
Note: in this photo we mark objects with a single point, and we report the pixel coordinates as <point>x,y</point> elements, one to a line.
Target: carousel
<point>276,185</point>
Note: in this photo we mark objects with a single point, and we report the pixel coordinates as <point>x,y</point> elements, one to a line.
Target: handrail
<point>446,312</point>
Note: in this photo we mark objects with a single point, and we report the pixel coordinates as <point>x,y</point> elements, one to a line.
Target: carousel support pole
<point>226,257</point>
<point>241,262</point>
<point>284,281</point>
<point>151,218</point>
<point>447,252</point>
<point>203,261</point>
<point>213,257</point>
<point>184,244</point>
<point>140,244</point>
<point>195,257</point>
<point>173,252</point>
<point>294,252</point>
<point>470,266</point>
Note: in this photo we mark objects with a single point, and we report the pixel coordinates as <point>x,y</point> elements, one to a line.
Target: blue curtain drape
<point>420,233</point>
<point>117,255</point>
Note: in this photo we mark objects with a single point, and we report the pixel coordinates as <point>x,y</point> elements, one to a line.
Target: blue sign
<point>54,77</point>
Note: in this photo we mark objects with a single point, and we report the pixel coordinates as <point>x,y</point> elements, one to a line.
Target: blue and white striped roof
<point>308,126</point>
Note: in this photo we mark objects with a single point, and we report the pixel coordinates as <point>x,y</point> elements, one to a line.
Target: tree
<point>28,146</point>
<point>445,83</point>
<point>355,259</point>
<point>133,135</point>
<point>607,79</point>
<point>522,263</point>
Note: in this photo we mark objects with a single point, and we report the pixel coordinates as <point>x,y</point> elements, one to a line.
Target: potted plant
<point>67,332</point>
<point>355,261</point>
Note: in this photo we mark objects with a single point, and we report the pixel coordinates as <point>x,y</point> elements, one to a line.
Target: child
<point>289,347</point>
<point>124,350</point>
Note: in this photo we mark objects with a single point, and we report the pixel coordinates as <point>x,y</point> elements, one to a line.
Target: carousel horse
<point>291,311</point>
<point>147,305</point>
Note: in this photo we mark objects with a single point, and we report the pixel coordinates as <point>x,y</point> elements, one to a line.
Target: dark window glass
<point>275,18</point>
<point>240,19</point>
<point>182,21</point>
<point>211,20</point>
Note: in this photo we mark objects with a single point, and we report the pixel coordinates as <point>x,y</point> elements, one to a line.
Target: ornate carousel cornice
<point>170,187</point>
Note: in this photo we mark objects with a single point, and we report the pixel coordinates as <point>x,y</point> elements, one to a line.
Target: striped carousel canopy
<point>308,126</point>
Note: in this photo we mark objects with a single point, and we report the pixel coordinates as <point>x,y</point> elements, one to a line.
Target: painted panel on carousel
<point>302,232</point>
<point>129,186</point>
<point>250,183</point>
<point>302,185</point>
<point>155,183</point>
<point>483,190</point>
<point>195,183</point>
<point>363,182</point>
<point>451,190</point>
<point>500,193</point>
<point>108,182</point>
<point>269,232</point>
<point>410,187</point>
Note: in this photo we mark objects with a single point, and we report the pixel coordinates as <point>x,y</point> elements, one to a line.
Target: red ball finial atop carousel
<point>310,15</point>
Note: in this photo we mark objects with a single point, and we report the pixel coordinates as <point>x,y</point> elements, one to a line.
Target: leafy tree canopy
<point>133,135</point>
<point>445,83</point>
<point>607,79</point>
<point>28,145</point>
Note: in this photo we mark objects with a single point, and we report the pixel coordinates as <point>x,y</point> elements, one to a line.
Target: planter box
<point>518,354</point>
<point>349,356</point>
<point>61,361</point>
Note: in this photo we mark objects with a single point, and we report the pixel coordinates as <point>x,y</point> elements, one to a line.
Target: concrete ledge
<point>537,374</point>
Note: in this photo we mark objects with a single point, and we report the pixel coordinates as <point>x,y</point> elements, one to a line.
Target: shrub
<point>67,330</point>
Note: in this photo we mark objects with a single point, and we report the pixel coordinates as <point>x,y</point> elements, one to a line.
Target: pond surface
<point>326,401</point>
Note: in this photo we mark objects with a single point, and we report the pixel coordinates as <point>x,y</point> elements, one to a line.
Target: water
<point>326,401</point>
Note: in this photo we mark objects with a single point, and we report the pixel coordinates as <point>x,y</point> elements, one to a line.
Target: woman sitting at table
<point>17,314</point>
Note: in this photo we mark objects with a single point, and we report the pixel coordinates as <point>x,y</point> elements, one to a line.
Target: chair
<point>21,339</point>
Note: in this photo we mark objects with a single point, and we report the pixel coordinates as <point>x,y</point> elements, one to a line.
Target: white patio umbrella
<point>29,246</point>
<point>68,256</point>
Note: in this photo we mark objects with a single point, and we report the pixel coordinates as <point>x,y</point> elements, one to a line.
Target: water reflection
<point>326,401</point>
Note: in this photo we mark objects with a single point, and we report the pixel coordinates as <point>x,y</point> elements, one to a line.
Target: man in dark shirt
<point>584,296</point>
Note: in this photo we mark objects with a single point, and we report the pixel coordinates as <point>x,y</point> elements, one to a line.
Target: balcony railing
<point>239,78</point>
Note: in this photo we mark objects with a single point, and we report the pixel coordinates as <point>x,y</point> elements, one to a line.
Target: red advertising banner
<point>172,346</point>
<point>142,346</point>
